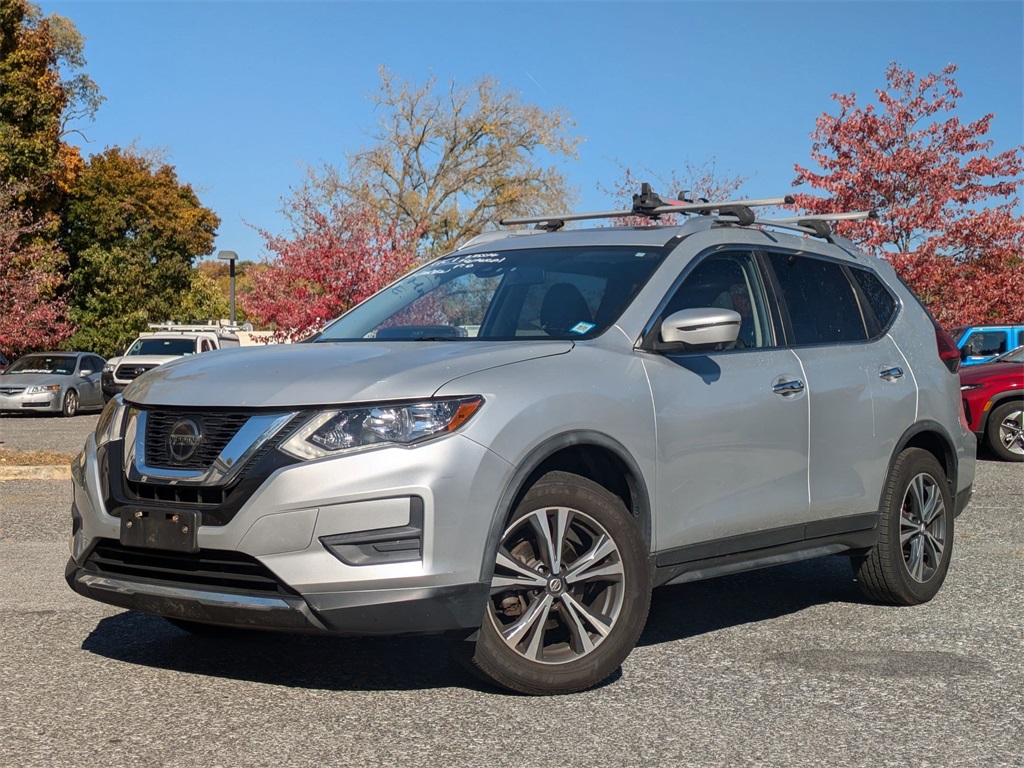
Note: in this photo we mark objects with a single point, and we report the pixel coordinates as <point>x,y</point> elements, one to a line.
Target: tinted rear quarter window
<point>821,302</point>
<point>881,306</point>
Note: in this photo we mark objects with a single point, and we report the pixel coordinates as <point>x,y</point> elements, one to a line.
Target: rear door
<point>860,391</point>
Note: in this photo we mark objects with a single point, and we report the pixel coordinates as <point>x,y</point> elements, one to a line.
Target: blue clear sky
<point>244,95</point>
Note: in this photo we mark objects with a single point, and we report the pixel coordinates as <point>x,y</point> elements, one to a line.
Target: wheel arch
<point>588,453</point>
<point>997,400</point>
<point>932,437</point>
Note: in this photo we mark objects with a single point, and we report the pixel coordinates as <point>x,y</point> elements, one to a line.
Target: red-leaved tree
<point>335,257</point>
<point>32,316</point>
<point>946,202</point>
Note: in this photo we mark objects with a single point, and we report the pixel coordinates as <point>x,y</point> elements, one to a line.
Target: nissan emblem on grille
<point>184,439</point>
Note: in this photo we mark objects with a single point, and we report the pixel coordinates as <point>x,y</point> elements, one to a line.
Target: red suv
<point>993,396</point>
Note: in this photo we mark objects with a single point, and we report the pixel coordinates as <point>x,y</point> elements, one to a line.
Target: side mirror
<point>85,372</point>
<point>701,327</point>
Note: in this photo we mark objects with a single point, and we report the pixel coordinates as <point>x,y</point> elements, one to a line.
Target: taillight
<point>949,353</point>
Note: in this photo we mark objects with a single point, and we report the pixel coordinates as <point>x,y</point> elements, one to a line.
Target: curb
<point>35,473</point>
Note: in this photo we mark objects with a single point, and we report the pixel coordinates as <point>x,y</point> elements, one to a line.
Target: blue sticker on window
<point>582,327</point>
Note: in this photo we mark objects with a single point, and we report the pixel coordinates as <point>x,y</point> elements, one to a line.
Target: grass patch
<point>9,458</point>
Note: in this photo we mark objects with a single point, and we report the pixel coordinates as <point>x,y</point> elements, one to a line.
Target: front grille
<point>132,371</point>
<point>217,430</point>
<point>208,568</point>
<point>181,495</point>
<point>11,390</point>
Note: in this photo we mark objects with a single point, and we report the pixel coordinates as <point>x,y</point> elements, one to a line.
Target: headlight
<point>41,390</point>
<point>108,368</point>
<point>966,387</point>
<point>332,432</point>
<point>109,425</point>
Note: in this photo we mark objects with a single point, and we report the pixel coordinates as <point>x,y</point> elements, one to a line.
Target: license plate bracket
<point>152,529</point>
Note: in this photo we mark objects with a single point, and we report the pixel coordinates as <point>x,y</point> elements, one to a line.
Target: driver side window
<point>728,281</point>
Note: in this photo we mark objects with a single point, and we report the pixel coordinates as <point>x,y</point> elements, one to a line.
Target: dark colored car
<point>993,396</point>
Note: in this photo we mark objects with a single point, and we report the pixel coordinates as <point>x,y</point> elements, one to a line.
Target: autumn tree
<point>451,161</point>
<point>38,108</point>
<point>218,273</point>
<point>946,200</point>
<point>132,232</point>
<point>334,258</point>
<point>32,315</point>
<point>202,302</point>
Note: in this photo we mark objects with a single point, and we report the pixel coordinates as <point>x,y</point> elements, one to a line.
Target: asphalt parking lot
<point>785,666</point>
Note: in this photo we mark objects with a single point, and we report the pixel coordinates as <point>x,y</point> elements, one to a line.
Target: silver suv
<point>515,443</point>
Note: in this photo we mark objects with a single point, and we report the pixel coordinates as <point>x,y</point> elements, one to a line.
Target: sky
<point>243,96</point>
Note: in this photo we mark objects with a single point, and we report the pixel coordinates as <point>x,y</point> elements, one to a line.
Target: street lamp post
<point>231,257</point>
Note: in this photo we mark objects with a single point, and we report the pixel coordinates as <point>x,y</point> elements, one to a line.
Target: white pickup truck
<point>161,345</point>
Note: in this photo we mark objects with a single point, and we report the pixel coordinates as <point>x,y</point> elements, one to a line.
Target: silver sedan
<point>52,382</point>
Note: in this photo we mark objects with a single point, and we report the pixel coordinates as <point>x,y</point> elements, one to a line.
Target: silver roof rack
<point>817,224</point>
<point>650,205</point>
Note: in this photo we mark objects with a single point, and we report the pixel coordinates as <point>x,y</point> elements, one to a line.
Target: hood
<point>289,375</point>
<point>33,379</point>
<point>143,359</point>
<point>978,374</point>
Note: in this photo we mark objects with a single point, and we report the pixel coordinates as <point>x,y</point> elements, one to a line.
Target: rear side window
<point>880,305</point>
<point>820,300</point>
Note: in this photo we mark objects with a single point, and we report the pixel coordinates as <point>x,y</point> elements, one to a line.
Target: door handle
<point>891,374</point>
<point>791,387</point>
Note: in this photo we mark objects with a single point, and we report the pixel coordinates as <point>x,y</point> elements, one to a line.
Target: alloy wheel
<point>923,527</point>
<point>558,585</point>
<point>1011,432</point>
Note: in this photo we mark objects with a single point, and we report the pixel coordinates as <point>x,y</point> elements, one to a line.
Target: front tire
<point>70,406</point>
<point>570,592</point>
<point>915,540</point>
<point>1005,431</point>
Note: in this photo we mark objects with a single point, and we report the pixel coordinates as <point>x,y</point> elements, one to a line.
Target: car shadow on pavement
<point>415,663</point>
<point>293,660</point>
<point>688,610</point>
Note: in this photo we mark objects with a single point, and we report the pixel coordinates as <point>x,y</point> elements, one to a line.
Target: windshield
<point>155,346</point>
<point>62,364</point>
<point>543,293</point>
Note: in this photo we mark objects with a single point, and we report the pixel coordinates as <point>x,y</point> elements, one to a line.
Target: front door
<point>732,424</point>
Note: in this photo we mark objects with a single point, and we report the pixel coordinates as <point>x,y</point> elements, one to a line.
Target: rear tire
<point>70,406</point>
<point>915,539</point>
<point>570,592</point>
<point>1005,431</point>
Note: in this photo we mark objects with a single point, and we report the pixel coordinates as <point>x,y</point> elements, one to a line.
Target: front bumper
<point>332,535</point>
<point>111,387</point>
<point>48,402</point>
<point>425,610</point>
